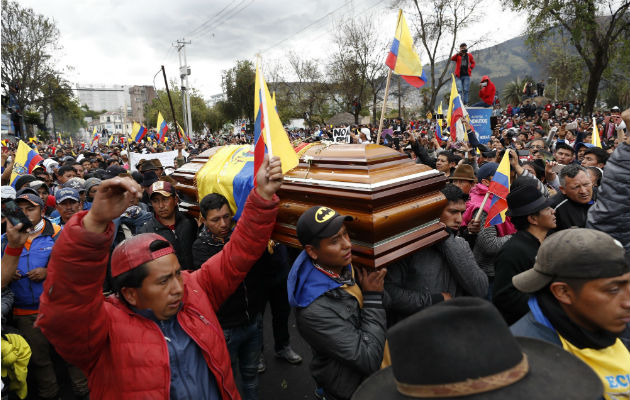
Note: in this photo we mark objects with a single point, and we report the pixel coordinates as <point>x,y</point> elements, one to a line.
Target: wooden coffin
<point>395,202</point>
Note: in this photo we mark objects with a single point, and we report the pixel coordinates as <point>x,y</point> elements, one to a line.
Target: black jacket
<point>569,213</point>
<point>516,256</point>
<point>248,300</point>
<point>611,212</point>
<point>347,341</point>
<point>182,239</point>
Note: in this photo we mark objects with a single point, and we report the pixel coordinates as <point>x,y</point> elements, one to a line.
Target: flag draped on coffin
<point>499,187</point>
<point>269,134</point>
<point>402,58</point>
<point>595,139</point>
<point>25,161</point>
<point>162,128</point>
<point>138,131</point>
<point>228,172</point>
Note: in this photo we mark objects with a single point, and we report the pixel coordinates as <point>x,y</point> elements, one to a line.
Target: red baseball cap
<point>135,251</point>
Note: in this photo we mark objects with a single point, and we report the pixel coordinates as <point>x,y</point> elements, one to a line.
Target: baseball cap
<point>37,184</point>
<point>77,184</point>
<point>91,182</point>
<point>31,198</point>
<point>161,187</point>
<point>319,222</point>
<point>135,251</point>
<point>7,192</point>
<point>486,171</point>
<point>576,253</point>
<point>65,194</point>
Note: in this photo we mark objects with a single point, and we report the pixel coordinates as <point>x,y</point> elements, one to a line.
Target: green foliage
<point>29,41</point>
<point>595,29</point>
<point>239,87</point>
<point>512,92</point>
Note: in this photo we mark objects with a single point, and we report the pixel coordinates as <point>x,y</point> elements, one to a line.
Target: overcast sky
<point>125,41</point>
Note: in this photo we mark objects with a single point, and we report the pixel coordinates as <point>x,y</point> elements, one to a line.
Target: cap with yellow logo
<point>319,222</point>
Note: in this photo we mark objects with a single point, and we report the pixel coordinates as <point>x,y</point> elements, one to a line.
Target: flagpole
<point>483,204</point>
<point>380,124</point>
<point>263,101</point>
<point>168,93</point>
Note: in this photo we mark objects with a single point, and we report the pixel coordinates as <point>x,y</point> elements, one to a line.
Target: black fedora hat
<point>525,199</point>
<point>462,348</point>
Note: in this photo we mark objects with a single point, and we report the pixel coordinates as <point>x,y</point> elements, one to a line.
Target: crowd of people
<point>137,299</point>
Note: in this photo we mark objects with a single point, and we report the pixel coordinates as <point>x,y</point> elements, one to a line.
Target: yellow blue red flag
<point>138,131</point>
<point>26,159</point>
<point>228,172</point>
<point>402,58</point>
<point>455,109</point>
<point>500,188</point>
<point>269,134</point>
<point>162,128</point>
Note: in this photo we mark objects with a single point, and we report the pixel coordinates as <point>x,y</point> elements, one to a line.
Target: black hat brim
<point>333,227</point>
<point>553,374</point>
<point>532,208</point>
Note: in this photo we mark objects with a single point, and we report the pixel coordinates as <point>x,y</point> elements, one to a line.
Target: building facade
<point>140,97</point>
<point>102,97</point>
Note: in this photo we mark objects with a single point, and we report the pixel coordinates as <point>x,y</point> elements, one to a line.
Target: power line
<point>307,26</point>
<point>226,18</point>
<point>211,19</point>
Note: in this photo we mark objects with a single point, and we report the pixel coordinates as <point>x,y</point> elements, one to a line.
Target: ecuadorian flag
<point>26,159</point>
<point>455,109</point>
<point>499,187</point>
<point>138,131</point>
<point>269,134</point>
<point>162,128</point>
<point>402,58</point>
<point>229,172</point>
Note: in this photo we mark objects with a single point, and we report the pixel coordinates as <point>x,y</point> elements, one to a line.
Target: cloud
<point>126,42</point>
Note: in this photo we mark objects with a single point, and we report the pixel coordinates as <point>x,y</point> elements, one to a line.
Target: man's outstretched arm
<point>72,314</point>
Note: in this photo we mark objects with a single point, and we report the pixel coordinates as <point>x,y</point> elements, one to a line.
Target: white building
<point>112,122</point>
<point>102,97</point>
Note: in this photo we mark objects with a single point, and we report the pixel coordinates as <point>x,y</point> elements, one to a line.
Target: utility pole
<point>184,72</point>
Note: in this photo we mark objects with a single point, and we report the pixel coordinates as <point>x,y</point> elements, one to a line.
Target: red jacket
<point>458,59</point>
<point>124,354</point>
<point>486,94</point>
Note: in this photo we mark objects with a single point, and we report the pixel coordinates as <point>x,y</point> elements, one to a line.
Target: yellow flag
<point>268,127</point>
<point>111,138</point>
<point>595,140</point>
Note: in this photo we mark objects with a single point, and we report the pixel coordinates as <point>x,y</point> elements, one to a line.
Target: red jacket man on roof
<point>159,337</point>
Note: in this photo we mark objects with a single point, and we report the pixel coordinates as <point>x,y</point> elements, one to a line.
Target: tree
<point>594,26</point>
<point>439,24</point>
<point>239,85</point>
<point>561,64</point>
<point>309,93</point>
<point>198,108</point>
<point>357,67</point>
<point>28,42</point>
<point>513,92</point>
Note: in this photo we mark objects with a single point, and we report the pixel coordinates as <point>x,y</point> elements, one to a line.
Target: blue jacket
<point>26,291</point>
<point>536,325</point>
<point>305,283</point>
